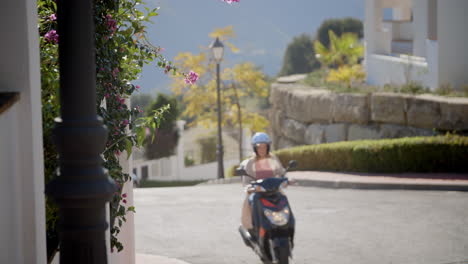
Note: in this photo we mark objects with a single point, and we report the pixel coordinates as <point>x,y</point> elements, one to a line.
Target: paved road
<point>199,225</point>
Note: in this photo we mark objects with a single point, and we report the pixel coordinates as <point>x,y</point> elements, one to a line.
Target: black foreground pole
<point>219,150</point>
<point>83,187</point>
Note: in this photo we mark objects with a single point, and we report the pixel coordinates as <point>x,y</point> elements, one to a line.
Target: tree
<point>299,56</point>
<point>339,26</point>
<point>167,136</point>
<point>241,81</point>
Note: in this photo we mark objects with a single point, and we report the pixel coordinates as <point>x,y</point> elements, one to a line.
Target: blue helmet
<point>261,137</point>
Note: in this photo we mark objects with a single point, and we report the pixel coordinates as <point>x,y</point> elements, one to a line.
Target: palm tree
<point>344,50</point>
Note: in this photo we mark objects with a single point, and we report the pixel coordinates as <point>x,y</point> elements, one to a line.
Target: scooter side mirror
<point>240,172</point>
<point>292,164</point>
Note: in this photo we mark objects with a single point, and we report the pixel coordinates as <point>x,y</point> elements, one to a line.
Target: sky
<point>263,28</point>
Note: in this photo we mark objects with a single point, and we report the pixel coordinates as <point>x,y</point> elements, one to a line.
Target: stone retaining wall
<point>305,115</point>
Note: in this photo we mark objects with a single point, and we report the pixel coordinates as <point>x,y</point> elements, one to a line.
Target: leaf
<point>128,147</point>
<point>140,133</point>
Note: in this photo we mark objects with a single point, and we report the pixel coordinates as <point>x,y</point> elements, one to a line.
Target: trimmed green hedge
<point>417,154</point>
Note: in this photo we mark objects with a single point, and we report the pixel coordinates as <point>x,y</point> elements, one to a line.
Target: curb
<point>343,181</point>
<point>154,259</point>
<point>383,186</point>
<point>235,179</point>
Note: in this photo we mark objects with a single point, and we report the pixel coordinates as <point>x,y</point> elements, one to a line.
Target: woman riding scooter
<point>261,166</point>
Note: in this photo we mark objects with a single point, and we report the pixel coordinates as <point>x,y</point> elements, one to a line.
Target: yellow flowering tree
<point>241,81</point>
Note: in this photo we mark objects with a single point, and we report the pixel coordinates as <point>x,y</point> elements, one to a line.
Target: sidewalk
<point>369,181</point>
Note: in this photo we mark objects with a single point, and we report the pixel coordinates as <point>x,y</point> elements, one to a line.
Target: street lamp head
<point>218,49</point>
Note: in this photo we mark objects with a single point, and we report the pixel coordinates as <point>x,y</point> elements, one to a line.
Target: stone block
<point>388,108</point>
<point>352,108</point>
<point>454,114</point>
<point>284,142</point>
<point>310,105</point>
<point>277,117</point>
<point>336,132</point>
<point>293,130</point>
<point>314,134</point>
<point>397,131</point>
<point>423,111</point>
<point>277,96</point>
<point>356,132</point>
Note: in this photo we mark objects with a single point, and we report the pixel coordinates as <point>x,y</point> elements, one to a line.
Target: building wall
<point>440,57</point>
<point>10,241</point>
<point>452,37</point>
<point>420,27</point>
<point>22,225</point>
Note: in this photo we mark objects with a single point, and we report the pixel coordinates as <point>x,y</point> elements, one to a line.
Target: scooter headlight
<point>278,218</point>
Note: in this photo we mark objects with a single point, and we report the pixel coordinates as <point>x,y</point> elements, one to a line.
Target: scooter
<point>272,237</point>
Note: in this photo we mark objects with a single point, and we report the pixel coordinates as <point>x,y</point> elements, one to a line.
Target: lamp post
<point>218,49</point>
<point>83,187</point>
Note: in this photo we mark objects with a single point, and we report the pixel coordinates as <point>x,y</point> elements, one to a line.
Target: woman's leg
<point>246,218</point>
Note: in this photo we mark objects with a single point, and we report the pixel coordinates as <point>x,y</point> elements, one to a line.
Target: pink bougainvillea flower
<point>107,95</point>
<point>124,201</point>
<point>191,78</point>
<point>52,36</point>
<point>53,17</point>
<point>137,87</point>
<point>111,24</point>
<point>167,69</point>
<point>125,122</point>
<point>121,100</point>
<point>115,71</point>
<point>138,109</point>
<point>124,195</point>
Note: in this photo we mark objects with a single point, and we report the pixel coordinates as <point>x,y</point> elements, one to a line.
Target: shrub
<point>347,75</point>
<point>418,154</point>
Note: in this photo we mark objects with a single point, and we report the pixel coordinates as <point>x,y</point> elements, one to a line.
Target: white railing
<point>168,169</point>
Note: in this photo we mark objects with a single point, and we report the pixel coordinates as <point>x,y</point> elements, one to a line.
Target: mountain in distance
<point>264,28</point>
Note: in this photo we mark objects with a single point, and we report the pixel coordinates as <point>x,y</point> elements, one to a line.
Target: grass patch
<point>316,79</point>
<point>159,184</point>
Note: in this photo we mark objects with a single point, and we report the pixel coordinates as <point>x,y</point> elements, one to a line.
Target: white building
<point>417,40</point>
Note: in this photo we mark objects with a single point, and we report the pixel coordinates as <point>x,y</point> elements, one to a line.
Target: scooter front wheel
<point>282,253</point>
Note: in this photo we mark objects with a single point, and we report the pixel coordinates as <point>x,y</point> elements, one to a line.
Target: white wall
<point>382,69</point>
<point>127,231</point>
<point>22,225</point>
<point>453,38</point>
